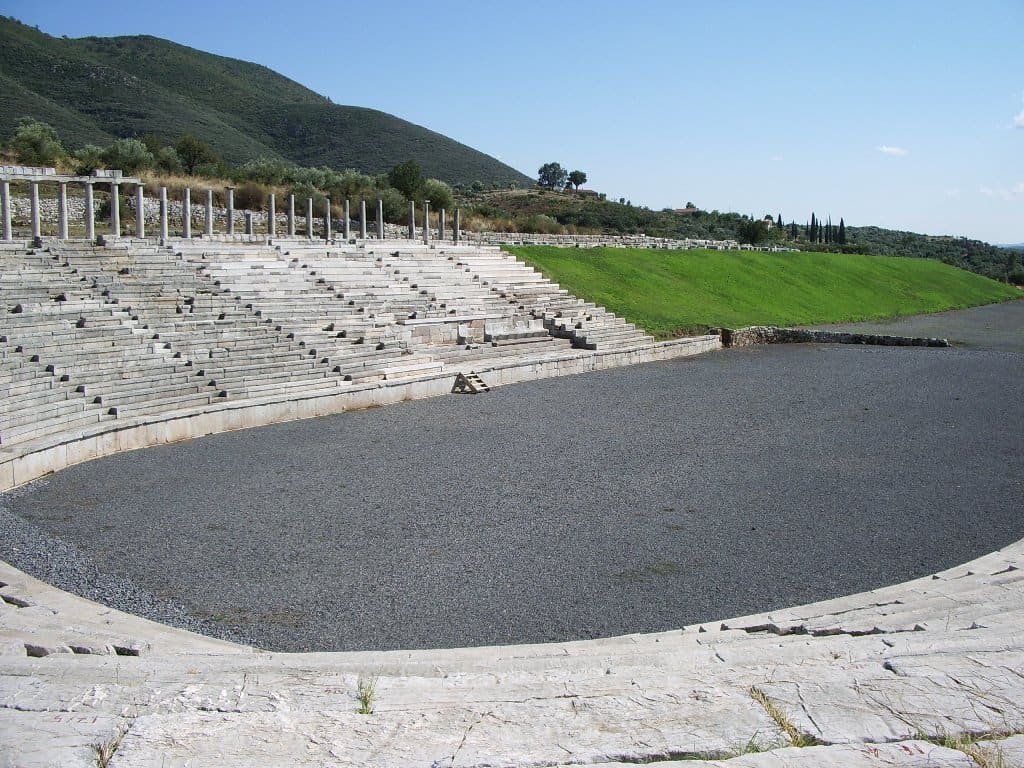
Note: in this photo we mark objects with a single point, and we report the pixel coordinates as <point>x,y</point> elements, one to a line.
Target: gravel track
<point>630,500</point>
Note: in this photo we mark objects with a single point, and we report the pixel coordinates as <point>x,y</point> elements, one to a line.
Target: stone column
<point>115,209</point>
<point>291,215</point>
<point>440,225</point>
<point>90,214</point>
<point>140,211</point>
<point>62,210</point>
<point>426,222</point>
<point>362,219</point>
<point>5,204</point>
<point>231,210</point>
<point>348,226</point>
<point>209,213</point>
<point>327,219</point>
<point>380,219</point>
<point>457,231</point>
<point>309,217</point>
<point>248,223</point>
<point>412,220</point>
<point>271,216</point>
<point>34,207</point>
<point>186,213</point>
<point>163,215</point>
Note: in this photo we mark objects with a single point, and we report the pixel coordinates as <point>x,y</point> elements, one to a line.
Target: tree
<point>439,194</point>
<point>552,176</point>
<point>36,143</point>
<point>194,152</point>
<point>407,178</point>
<point>751,231</point>
<point>842,231</point>
<point>128,155</point>
<point>778,223</point>
<point>576,178</point>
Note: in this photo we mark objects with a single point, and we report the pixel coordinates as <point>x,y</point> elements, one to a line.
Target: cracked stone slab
<point>54,739</point>
<point>907,754</point>
<point>981,693</point>
<point>534,733</point>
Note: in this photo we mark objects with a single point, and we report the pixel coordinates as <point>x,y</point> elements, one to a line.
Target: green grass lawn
<point>670,293</point>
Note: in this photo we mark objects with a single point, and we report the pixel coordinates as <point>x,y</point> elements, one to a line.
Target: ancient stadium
<point>221,551</point>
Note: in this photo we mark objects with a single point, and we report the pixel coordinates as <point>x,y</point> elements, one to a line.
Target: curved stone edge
<point>20,465</point>
<point>928,670</point>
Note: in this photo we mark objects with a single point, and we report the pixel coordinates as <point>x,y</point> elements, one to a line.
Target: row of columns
<point>186,201</point>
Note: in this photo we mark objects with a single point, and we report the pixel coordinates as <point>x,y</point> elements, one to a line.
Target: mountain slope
<point>96,89</point>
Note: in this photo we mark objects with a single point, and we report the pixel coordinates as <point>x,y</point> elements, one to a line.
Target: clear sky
<point>907,114</point>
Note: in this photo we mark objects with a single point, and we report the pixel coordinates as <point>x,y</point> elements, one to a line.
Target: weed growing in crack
<point>988,756</point>
<point>105,750</point>
<point>366,692</point>
<point>797,737</point>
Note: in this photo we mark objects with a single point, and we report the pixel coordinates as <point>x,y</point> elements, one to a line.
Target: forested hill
<point>97,89</point>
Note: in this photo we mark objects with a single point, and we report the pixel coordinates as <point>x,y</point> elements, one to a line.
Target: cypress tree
<point>842,231</point>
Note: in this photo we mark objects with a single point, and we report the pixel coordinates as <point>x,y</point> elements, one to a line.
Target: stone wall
<point>770,334</point>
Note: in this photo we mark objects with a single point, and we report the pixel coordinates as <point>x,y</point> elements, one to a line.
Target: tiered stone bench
<point>135,343</point>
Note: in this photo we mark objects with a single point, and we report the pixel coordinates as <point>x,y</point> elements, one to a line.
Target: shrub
<point>128,155</point>
<point>36,143</point>
<point>251,196</point>
<point>88,159</point>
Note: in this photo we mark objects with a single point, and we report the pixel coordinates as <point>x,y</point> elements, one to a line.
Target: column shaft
<point>362,219</point>
<point>309,217</point>
<point>456,231</point>
<point>426,222</point>
<point>231,210</point>
<point>209,213</point>
<point>140,211</point>
<point>115,210</point>
<point>5,204</point>
<point>34,208</point>
<point>347,223</point>
<point>186,213</point>
<point>291,215</point>
<point>327,219</point>
<point>163,215</point>
<point>271,216</point>
<point>62,210</point>
<point>380,219</point>
<point>412,220</point>
<point>90,214</point>
<point>440,224</point>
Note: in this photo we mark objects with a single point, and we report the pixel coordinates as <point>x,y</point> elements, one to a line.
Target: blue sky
<point>907,115</point>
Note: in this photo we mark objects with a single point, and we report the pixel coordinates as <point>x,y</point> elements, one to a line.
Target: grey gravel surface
<point>994,326</point>
<point>631,500</point>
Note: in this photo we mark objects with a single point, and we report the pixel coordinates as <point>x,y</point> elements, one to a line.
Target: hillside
<point>668,292</point>
<point>97,89</point>
<point>591,213</point>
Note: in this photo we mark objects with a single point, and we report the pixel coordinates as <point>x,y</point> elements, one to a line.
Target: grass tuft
<point>366,692</point>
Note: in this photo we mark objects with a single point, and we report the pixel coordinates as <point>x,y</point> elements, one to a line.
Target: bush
<point>128,155</point>
<point>439,194</point>
<point>36,143</point>
<point>251,196</point>
<point>88,159</point>
<point>167,160</point>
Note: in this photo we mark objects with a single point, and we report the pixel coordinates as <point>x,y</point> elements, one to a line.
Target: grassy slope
<point>93,90</point>
<point>667,292</point>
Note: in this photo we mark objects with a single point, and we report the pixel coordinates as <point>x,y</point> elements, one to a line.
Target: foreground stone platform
<point>925,673</point>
